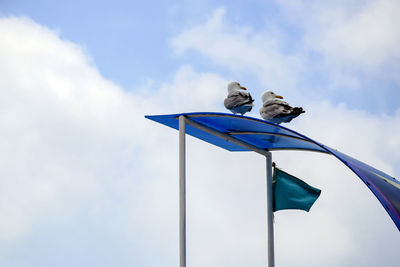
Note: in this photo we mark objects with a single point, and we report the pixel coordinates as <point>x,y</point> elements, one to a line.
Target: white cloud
<point>77,148</point>
<point>360,33</point>
<point>342,47</point>
<point>358,40</point>
<point>84,174</point>
<point>240,49</point>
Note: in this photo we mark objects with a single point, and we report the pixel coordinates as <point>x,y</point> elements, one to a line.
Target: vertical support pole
<point>270,214</point>
<point>182,192</point>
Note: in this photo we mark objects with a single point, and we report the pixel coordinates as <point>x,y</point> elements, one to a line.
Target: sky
<point>86,180</point>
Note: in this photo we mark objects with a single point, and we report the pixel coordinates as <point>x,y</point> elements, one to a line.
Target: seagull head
<point>269,95</point>
<point>235,86</point>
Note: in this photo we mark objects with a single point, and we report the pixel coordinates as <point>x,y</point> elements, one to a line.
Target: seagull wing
<point>237,98</point>
<point>275,108</point>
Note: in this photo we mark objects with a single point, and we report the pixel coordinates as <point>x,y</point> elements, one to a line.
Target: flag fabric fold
<point>290,192</point>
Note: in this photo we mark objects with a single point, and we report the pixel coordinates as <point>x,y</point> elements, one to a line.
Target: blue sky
<point>86,180</point>
<point>129,43</point>
<point>128,40</point>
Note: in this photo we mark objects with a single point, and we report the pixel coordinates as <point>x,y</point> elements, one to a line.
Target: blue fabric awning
<point>269,136</point>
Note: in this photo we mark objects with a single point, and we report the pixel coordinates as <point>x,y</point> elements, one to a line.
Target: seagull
<point>276,110</point>
<point>237,100</point>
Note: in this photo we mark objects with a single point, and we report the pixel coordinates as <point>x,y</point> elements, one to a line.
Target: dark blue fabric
<point>269,136</point>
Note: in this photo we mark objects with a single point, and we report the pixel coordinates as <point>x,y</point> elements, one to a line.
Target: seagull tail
<point>251,100</point>
<point>297,111</point>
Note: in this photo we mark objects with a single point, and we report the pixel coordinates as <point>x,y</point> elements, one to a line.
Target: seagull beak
<point>278,96</point>
<point>242,87</point>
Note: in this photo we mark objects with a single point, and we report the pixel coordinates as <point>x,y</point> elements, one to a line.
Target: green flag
<point>290,192</point>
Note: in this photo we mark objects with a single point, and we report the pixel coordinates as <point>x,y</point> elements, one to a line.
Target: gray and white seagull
<point>276,110</point>
<point>238,101</point>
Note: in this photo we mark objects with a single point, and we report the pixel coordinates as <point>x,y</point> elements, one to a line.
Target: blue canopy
<point>266,135</point>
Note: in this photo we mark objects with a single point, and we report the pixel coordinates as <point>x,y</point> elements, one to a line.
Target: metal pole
<point>270,214</point>
<point>182,192</point>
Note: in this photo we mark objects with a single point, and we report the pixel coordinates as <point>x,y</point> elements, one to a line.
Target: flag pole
<point>270,214</point>
<point>182,192</point>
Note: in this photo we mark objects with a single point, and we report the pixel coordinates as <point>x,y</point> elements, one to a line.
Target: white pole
<point>270,214</point>
<point>182,192</point>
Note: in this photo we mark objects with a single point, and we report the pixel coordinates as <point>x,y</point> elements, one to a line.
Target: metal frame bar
<point>182,186</point>
<point>182,191</point>
<point>270,213</point>
<point>229,137</point>
<point>269,134</point>
<point>298,149</point>
<point>226,137</point>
